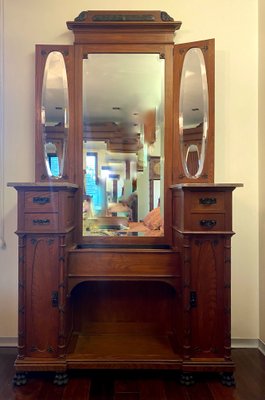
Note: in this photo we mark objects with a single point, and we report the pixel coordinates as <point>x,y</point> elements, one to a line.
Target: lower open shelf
<point>122,350</point>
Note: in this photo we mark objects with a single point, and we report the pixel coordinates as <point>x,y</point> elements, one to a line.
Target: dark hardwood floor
<point>139,385</point>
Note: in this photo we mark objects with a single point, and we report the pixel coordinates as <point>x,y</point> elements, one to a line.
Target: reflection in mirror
<point>123,126</point>
<point>54,115</point>
<point>193,113</point>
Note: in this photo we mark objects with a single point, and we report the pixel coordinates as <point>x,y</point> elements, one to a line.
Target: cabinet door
<point>41,295</point>
<point>210,296</point>
<point>193,150</point>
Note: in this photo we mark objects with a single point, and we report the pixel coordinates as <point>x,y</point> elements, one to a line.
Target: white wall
<point>234,25</point>
<point>262,166</point>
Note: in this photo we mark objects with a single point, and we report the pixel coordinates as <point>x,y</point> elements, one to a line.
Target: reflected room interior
<point>123,133</point>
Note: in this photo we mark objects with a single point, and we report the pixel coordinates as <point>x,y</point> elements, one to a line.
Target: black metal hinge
<point>54,298</point>
<point>193,299</point>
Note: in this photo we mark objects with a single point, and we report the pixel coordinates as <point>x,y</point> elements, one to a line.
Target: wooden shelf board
<point>122,347</point>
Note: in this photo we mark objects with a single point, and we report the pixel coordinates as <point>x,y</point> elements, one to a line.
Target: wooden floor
<point>139,385</point>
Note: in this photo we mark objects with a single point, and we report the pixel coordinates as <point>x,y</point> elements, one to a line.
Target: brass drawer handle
<point>208,201</point>
<point>41,200</point>
<point>207,223</point>
<point>41,221</point>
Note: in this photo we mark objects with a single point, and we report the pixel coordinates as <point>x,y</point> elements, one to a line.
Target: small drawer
<point>208,222</point>
<point>208,201</point>
<point>41,222</point>
<point>41,201</point>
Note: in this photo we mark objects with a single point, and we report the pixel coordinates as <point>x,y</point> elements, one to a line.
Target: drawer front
<point>41,201</point>
<point>208,202</point>
<point>45,222</point>
<point>124,264</point>
<point>208,222</point>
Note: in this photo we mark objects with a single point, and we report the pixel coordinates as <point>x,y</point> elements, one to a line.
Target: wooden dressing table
<point>95,299</point>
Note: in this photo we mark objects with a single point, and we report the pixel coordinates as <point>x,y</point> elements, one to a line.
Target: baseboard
<point>244,343</point>
<point>262,347</point>
<point>8,341</point>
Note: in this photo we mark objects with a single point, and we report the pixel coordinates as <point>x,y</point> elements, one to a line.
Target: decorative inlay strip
<point>122,17</point>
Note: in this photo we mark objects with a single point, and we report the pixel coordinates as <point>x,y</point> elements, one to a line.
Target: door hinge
<point>54,298</point>
<point>193,299</point>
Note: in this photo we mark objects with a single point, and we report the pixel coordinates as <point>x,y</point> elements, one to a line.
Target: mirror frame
<point>125,48</point>
<point>126,32</point>
<point>180,51</point>
<point>41,173</point>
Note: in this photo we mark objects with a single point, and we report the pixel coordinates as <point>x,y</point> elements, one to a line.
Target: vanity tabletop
<point>206,185</point>
<point>42,185</point>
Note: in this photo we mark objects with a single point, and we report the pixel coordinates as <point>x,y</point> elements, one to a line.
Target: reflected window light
<point>105,171</point>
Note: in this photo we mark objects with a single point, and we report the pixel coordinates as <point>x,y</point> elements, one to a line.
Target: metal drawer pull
<point>207,223</point>
<point>41,200</point>
<point>41,221</point>
<point>208,200</point>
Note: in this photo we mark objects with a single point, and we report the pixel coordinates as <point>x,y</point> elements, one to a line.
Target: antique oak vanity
<point>124,238</point>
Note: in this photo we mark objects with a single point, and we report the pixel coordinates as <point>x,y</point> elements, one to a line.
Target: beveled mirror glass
<point>193,113</point>
<point>54,114</point>
<point>123,127</point>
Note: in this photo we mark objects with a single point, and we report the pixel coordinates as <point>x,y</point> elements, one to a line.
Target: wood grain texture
<point>124,302</point>
<point>137,385</point>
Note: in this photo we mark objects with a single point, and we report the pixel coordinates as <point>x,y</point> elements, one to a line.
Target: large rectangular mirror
<point>123,144</point>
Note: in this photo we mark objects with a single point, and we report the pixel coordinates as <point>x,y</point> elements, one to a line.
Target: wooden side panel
<point>67,210</point>
<point>42,321</point>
